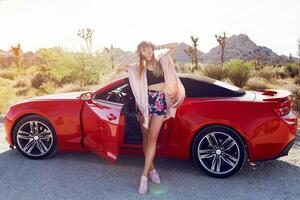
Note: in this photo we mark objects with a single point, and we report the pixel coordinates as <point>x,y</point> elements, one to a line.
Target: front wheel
<point>219,151</point>
<point>34,137</point>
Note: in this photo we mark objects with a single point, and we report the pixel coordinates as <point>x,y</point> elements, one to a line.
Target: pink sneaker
<point>154,176</point>
<point>143,185</point>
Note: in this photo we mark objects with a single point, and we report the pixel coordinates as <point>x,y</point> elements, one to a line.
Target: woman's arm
<point>171,46</point>
<point>125,64</point>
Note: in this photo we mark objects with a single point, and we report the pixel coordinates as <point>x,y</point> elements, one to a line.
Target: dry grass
<point>256,83</point>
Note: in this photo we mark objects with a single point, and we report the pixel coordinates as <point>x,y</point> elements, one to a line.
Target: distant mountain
<point>237,46</point>
<point>242,47</point>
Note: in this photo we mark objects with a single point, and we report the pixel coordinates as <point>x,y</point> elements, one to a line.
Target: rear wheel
<point>219,151</point>
<point>35,138</point>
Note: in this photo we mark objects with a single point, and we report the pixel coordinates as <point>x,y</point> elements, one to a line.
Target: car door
<point>103,127</point>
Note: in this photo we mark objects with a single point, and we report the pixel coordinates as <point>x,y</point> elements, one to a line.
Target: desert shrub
<point>60,65</point>
<point>11,75</point>
<point>22,82</point>
<point>297,80</point>
<point>47,87</point>
<point>38,80</point>
<point>266,72</point>
<point>292,70</point>
<point>70,87</point>
<point>22,92</point>
<point>214,71</point>
<point>183,67</point>
<point>237,72</point>
<point>65,67</point>
<point>295,90</point>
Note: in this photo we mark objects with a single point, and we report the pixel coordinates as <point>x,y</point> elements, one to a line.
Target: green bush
<point>292,70</point>
<point>237,72</point>
<point>213,71</point>
<point>74,67</point>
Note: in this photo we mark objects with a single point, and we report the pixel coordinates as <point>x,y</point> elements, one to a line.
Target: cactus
<point>17,54</point>
<point>290,58</point>
<point>86,35</point>
<point>87,58</point>
<point>221,41</point>
<point>110,51</point>
<point>191,51</point>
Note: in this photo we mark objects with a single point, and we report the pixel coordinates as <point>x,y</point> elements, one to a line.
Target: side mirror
<point>86,96</point>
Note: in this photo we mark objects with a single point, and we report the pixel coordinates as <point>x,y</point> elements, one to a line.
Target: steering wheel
<point>117,96</point>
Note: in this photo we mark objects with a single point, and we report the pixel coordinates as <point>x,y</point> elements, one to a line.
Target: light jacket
<point>173,86</point>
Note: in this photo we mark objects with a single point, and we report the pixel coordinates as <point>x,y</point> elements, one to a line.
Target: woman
<point>163,94</point>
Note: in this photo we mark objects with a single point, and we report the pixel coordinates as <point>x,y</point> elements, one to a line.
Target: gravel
<point>86,176</point>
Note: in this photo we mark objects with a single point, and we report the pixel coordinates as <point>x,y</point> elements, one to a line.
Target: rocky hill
<point>242,47</point>
<point>237,46</point>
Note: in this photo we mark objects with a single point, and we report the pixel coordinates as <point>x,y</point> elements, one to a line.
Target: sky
<point>124,23</point>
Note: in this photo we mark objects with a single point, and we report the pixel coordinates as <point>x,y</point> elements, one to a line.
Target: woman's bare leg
<point>154,129</point>
<point>145,136</point>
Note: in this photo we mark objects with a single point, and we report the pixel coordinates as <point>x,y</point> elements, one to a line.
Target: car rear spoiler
<point>273,95</point>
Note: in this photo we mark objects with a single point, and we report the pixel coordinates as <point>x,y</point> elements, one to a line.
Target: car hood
<point>59,96</point>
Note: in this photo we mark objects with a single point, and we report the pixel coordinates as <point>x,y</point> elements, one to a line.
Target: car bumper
<point>8,126</point>
<point>286,149</point>
<point>273,138</point>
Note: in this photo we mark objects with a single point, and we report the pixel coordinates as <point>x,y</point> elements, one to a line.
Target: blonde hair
<point>158,70</point>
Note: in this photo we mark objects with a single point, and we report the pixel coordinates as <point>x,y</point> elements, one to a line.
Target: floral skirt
<point>157,103</point>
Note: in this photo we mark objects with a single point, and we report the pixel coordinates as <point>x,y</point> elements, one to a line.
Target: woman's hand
<point>172,48</point>
<point>173,96</point>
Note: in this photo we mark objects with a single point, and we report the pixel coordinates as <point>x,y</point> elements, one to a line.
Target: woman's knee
<point>152,138</point>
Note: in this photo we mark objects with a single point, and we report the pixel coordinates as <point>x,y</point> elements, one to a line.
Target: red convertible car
<point>218,126</point>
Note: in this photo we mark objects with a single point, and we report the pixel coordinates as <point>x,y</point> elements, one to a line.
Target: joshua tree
<point>110,51</point>
<point>85,71</point>
<point>17,54</point>
<point>86,35</point>
<point>191,51</point>
<point>290,58</point>
<point>221,41</point>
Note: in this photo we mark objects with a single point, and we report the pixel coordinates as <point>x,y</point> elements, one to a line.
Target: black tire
<point>219,161</point>
<point>43,142</point>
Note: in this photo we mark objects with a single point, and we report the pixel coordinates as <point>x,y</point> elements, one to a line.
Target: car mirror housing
<point>86,96</point>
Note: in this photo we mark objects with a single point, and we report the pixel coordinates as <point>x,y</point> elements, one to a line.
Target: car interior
<point>123,94</point>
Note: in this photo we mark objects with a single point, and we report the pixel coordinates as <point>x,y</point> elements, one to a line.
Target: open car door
<point>103,127</point>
